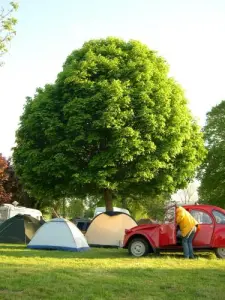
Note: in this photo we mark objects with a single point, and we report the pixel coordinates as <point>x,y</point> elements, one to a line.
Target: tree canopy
<point>7,27</point>
<point>212,172</point>
<point>112,121</point>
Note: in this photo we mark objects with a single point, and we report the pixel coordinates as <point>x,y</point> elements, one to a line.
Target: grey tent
<point>19,229</point>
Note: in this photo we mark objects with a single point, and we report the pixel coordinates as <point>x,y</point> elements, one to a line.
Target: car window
<point>201,217</point>
<point>220,217</point>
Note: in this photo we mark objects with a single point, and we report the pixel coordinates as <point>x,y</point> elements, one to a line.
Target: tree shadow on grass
<point>13,246</point>
<point>90,254</point>
<point>179,255</point>
<point>93,253</point>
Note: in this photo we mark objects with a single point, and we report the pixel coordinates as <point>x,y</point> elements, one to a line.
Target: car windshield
<point>169,215</point>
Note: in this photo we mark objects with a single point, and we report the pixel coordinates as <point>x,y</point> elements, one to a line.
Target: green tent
<point>19,229</point>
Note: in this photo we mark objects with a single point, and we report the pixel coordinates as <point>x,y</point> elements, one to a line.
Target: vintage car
<point>155,238</point>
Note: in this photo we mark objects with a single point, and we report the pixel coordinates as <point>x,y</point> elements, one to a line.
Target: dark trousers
<point>187,244</point>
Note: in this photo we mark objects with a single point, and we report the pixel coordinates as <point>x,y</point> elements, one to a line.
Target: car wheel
<point>220,252</point>
<point>138,247</point>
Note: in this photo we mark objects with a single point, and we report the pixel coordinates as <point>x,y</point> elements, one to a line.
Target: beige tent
<point>109,229</point>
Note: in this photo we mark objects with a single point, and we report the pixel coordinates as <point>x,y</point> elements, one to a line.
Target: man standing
<point>187,226</point>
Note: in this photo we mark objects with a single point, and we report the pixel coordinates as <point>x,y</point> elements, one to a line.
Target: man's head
<point>179,208</point>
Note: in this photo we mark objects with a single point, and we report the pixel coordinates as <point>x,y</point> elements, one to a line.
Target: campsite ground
<point>107,274</point>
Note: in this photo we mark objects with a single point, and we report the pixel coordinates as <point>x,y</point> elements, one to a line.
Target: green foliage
<point>156,207</point>
<point>75,208</point>
<point>153,208</point>
<point>7,27</point>
<point>142,206</point>
<point>112,121</point>
<point>212,172</point>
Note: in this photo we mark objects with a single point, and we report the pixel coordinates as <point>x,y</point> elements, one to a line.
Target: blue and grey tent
<point>59,234</point>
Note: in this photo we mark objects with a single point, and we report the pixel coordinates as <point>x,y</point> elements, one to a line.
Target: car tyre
<point>220,252</point>
<point>139,247</point>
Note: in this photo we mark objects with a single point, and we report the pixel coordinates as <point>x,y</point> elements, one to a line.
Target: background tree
<point>212,172</point>
<point>189,195</point>
<point>113,121</point>
<point>14,187</point>
<point>75,208</point>
<point>142,206</point>
<point>7,27</point>
<point>5,197</point>
<point>152,208</point>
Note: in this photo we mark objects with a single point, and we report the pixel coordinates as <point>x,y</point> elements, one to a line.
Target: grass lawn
<point>107,274</point>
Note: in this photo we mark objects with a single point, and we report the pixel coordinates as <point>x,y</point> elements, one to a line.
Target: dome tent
<point>59,234</point>
<point>108,229</point>
<point>19,229</point>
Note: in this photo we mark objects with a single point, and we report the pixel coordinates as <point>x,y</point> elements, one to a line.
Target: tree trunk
<point>108,200</point>
<point>55,210</point>
<point>64,208</point>
<point>54,213</point>
<point>124,203</point>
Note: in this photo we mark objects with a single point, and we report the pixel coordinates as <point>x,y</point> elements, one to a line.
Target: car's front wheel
<point>138,247</point>
<point>220,252</point>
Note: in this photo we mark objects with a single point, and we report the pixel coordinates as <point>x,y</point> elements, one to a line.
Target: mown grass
<point>107,274</point>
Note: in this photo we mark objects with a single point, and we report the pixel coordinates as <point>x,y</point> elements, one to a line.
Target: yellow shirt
<point>185,221</point>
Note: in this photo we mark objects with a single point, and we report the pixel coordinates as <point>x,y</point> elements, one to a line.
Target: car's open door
<point>167,231</point>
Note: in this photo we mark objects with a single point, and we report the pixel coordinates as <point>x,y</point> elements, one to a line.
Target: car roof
<point>203,206</point>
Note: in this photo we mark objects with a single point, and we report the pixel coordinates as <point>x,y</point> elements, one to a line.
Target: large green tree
<point>212,172</point>
<point>7,26</point>
<point>113,121</point>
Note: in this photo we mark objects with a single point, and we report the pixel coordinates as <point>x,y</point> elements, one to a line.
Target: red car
<point>153,238</point>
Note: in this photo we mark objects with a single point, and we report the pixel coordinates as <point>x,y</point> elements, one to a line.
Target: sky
<point>189,34</point>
